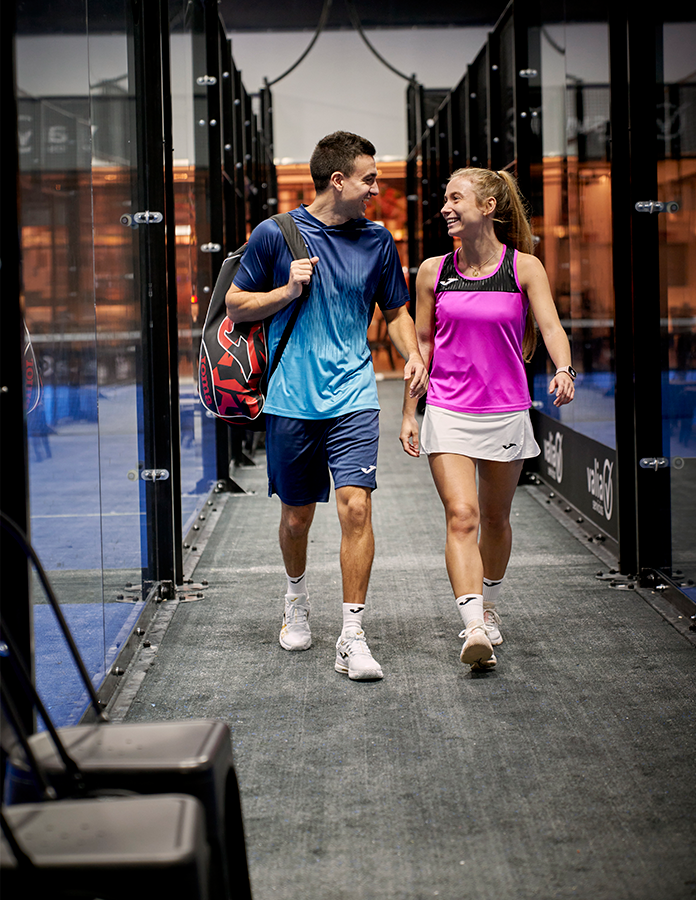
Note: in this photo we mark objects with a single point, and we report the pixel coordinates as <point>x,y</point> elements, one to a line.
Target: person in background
<point>475,319</point>
<point>322,411</point>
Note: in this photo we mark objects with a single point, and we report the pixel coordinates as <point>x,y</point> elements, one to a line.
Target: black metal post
<point>220,155</point>
<point>644,494</point>
<point>173,299</point>
<point>270,186</point>
<point>157,352</point>
<point>231,200</point>
<point>414,107</point>
<point>479,122</point>
<point>458,125</point>
<point>14,467</point>
<point>239,152</point>
<point>213,74</point>
<point>496,135</point>
<point>528,111</point>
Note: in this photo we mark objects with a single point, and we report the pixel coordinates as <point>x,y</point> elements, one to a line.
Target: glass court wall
<point>676,185</point>
<point>77,161</point>
<point>124,222</point>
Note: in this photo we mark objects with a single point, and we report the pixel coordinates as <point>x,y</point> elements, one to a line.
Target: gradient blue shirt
<point>326,368</point>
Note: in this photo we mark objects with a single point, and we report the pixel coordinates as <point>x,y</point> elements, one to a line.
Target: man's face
<point>359,187</point>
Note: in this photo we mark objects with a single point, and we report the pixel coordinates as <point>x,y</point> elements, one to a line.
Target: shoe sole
<point>486,666</point>
<point>368,675</point>
<point>497,642</point>
<point>476,651</point>
<point>290,647</point>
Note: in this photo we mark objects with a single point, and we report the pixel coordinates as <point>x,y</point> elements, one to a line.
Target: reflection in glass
<point>117,310</point>
<point>676,176</point>
<point>576,240</point>
<point>198,472</point>
<point>84,328</point>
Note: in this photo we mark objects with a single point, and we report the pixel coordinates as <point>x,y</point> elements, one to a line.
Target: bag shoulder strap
<point>299,250</point>
<point>292,235</point>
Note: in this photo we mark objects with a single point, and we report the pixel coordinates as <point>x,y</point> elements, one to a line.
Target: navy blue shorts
<point>302,452</point>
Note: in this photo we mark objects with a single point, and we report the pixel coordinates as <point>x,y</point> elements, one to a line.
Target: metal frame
<point>158,299</point>
<point>170,221</point>
<point>14,465</point>
<point>644,494</point>
<point>477,102</point>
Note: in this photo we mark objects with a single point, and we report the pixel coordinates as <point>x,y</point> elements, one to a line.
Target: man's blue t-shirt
<point>326,368</point>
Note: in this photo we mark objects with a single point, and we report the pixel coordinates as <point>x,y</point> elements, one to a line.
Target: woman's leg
<point>497,484</point>
<point>455,480</point>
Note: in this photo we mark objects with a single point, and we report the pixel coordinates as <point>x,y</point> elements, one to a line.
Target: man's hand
<point>300,275</point>
<point>416,371</point>
<point>251,306</point>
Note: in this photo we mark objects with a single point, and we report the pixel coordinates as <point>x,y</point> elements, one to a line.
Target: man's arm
<point>252,306</point>
<point>402,334</point>
<point>425,331</point>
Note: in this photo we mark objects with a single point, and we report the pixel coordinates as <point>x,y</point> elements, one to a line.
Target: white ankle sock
<point>296,586</point>
<point>352,615</point>
<point>491,589</point>
<point>470,608</point>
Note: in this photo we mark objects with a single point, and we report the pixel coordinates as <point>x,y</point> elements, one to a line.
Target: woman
<point>475,322</point>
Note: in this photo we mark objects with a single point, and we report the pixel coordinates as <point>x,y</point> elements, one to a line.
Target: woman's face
<point>461,210</point>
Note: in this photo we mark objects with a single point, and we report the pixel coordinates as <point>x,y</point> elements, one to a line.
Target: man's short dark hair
<point>337,152</point>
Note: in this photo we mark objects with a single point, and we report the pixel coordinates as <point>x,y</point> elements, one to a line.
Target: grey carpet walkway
<point>566,772</point>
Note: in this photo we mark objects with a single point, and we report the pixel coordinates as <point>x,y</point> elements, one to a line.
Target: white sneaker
<point>491,620</point>
<point>295,633</point>
<point>353,657</point>
<point>477,650</point>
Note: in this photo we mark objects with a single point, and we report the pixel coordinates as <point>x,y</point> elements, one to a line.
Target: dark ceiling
<point>304,14</point>
<point>105,16</point>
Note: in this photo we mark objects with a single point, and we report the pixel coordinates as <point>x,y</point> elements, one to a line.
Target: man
<point>322,409</point>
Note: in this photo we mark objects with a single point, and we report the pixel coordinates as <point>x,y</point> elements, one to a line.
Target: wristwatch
<point>569,370</point>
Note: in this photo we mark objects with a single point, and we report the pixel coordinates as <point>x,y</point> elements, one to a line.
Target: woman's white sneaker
<point>477,650</point>
<point>295,633</point>
<point>491,620</point>
<point>353,657</point>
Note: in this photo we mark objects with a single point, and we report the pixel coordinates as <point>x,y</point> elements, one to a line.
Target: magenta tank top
<point>479,325</point>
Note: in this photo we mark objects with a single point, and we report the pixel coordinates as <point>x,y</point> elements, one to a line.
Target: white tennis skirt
<point>503,437</point>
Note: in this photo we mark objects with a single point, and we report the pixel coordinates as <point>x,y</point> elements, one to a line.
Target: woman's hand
<point>562,385</point>
<point>409,435</point>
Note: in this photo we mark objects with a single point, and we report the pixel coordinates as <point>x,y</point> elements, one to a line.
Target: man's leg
<point>354,505</point>
<point>352,453</point>
<point>353,657</point>
<point>298,474</point>
<point>295,522</point>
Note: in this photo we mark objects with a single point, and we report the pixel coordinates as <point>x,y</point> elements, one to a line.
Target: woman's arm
<point>535,284</point>
<point>425,333</point>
